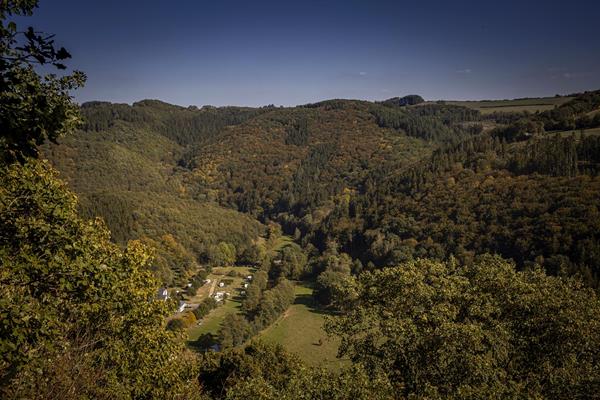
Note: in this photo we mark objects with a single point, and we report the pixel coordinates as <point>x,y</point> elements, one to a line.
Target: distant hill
<point>210,175</point>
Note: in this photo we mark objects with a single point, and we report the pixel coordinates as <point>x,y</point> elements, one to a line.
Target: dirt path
<point>213,284</point>
<point>287,313</point>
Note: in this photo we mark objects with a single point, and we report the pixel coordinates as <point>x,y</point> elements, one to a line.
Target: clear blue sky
<point>225,52</point>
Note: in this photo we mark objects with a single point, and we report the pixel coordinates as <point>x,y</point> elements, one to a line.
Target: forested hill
<point>387,181</point>
<point>124,165</point>
<point>527,189</point>
<point>177,177</point>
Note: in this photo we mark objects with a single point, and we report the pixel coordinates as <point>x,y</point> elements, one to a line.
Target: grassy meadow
<point>300,331</point>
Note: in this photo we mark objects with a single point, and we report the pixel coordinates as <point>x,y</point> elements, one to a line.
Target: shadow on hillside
<point>238,298</point>
<point>310,303</point>
<point>206,342</point>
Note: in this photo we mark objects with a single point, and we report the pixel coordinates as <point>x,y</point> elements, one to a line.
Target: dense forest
<point>455,254</point>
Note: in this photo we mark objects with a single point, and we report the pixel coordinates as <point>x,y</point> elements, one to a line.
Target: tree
<point>332,288</point>
<point>253,254</point>
<point>410,100</point>
<point>291,264</point>
<point>223,254</point>
<point>77,311</point>
<point>33,109</point>
<point>268,372</point>
<point>440,330</point>
<point>334,282</point>
<point>252,299</point>
<point>234,331</point>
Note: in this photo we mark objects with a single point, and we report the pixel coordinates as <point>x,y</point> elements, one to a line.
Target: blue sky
<point>226,52</point>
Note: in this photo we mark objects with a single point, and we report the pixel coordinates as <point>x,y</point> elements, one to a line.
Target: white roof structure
<point>163,293</point>
<point>219,296</point>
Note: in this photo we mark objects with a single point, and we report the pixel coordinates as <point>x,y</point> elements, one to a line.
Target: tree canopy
<point>449,331</point>
<point>33,108</point>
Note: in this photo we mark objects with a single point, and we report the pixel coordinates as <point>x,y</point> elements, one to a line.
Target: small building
<point>207,281</point>
<point>221,284</point>
<point>219,296</point>
<point>182,306</point>
<point>188,285</point>
<point>249,277</point>
<point>243,292</point>
<point>163,294</point>
<point>245,286</point>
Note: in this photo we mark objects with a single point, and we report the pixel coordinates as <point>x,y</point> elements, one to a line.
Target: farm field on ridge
<point>517,105</point>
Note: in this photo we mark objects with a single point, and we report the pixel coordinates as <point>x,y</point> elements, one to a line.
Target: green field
<point>300,329</point>
<point>577,132</point>
<point>517,105</point>
<point>212,322</point>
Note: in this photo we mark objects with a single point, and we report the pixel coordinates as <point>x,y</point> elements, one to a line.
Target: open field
<point>517,105</point>
<point>300,329</point>
<point>577,132</point>
<point>212,322</point>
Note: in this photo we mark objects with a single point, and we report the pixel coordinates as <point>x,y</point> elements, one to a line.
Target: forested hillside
<point>125,166</point>
<point>534,202</point>
<point>388,181</point>
<point>160,171</point>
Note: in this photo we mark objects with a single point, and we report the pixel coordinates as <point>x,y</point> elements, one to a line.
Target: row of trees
<point>236,329</point>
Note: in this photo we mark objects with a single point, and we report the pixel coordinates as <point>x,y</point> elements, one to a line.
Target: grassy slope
<point>300,329</point>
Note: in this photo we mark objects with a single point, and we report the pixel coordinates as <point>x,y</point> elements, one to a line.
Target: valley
<point>336,182</point>
<point>348,232</point>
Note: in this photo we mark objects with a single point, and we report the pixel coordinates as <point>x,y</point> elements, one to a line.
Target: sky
<point>227,52</point>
